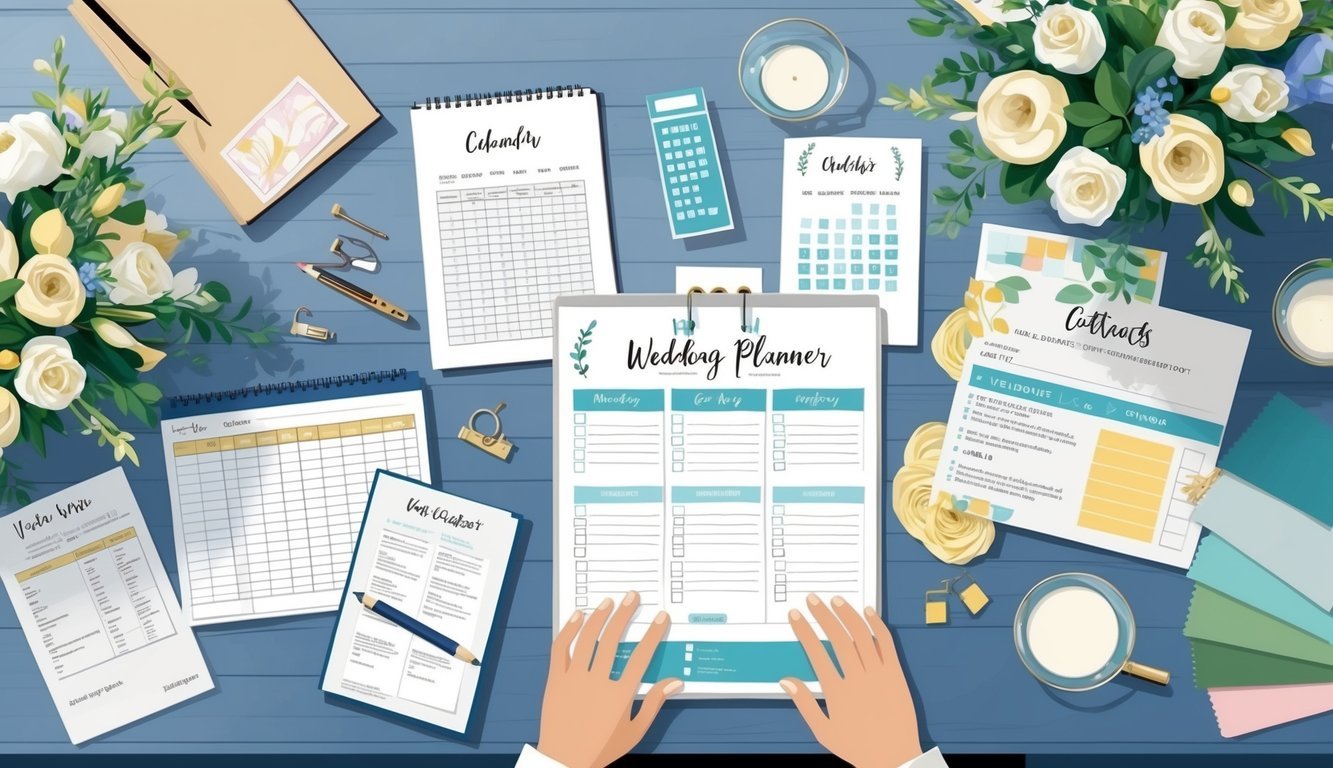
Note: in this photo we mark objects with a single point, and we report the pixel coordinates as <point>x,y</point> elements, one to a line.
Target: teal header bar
<point>704,494</point>
<point>719,400</point>
<point>622,494</point>
<point>712,662</point>
<point>819,494</point>
<point>618,399</point>
<point>1092,404</point>
<point>819,400</point>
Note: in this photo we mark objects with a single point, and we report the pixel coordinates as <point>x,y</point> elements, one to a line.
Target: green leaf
<point>1101,135</point>
<point>1016,282</point>
<point>132,213</point>
<point>12,336</point>
<point>1086,114</point>
<point>925,27</point>
<point>8,288</point>
<point>1020,183</point>
<point>1112,90</point>
<point>218,291</point>
<point>1135,23</point>
<point>1074,294</point>
<point>44,101</point>
<point>1148,65</point>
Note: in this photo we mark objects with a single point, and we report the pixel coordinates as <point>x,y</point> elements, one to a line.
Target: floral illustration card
<point>282,139</point>
<point>1070,269</point>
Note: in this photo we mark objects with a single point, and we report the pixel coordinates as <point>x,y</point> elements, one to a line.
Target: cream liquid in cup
<point>1310,318</point>
<point>1072,632</point>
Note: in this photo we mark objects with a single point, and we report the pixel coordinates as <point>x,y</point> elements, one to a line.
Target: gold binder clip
<point>307,330</point>
<point>495,443</point>
<point>972,595</point>
<point>937,604</point>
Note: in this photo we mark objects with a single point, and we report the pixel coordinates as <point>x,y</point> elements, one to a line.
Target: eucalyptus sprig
<point>970,162</point>
<point>1213,252</point>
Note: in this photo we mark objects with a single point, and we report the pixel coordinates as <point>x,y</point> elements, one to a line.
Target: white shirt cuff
<point>531,758</point>
<point>931,759</point>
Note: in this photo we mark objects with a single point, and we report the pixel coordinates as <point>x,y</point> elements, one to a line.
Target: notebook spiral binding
<point>304,385</point>
<point>503,97</point>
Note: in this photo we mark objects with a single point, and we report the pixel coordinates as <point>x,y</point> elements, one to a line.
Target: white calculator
<point>692,184</point>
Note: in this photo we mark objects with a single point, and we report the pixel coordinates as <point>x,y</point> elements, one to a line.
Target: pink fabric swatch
<point>1245,710</point>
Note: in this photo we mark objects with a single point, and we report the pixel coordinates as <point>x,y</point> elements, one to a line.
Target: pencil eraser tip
<point>301,265</point>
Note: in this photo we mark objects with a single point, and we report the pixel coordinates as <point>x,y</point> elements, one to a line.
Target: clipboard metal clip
<point>495,443</point>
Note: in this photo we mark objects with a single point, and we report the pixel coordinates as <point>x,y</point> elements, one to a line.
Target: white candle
<point>794,77</point>
<point>1310,318</point>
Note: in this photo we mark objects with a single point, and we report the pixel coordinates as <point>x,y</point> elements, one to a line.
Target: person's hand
<point>871,720</point>
<point>586,720</point>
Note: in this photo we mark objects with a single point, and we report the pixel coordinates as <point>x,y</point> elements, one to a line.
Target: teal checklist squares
<point>852,241</point>
<point>692,184</point>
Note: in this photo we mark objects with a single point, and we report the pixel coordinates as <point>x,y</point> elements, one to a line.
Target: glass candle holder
<point>1303,312</point>
<point>793,69</point>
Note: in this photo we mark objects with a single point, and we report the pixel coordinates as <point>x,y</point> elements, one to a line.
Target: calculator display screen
<point>676,102</point>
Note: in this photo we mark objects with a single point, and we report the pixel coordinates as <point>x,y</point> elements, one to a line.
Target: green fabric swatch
<point>1219,619</point>
<point>1224,666</point>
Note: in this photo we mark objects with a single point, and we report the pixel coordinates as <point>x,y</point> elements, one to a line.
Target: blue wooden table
<point>974,694</point>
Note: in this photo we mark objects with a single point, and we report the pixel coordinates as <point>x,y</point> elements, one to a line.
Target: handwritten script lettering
<point>1099,324</point>
<point>23,527</point>
<point>522,138</point>
<point>456,519</point>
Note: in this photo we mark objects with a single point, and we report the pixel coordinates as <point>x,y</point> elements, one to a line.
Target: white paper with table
<point>723,474</point>
<point>96,606</point>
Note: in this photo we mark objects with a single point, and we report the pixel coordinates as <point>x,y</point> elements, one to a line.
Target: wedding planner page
<point>723,474</point>
<point>512,197</point>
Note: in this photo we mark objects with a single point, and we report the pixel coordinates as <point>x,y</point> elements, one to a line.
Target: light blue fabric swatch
<point>1222,567</point>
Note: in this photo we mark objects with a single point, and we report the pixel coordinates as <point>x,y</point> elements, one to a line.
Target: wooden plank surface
<point>974,694</point>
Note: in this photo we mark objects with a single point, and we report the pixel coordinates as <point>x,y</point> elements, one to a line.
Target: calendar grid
<point>507,252</point>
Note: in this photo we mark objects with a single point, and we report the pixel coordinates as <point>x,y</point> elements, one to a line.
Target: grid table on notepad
<point>276,513</point>
<point>853,250</point>
<point>508,251</point>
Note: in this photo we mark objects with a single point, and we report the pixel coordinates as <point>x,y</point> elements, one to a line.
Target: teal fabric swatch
<point>1222,567</point>
<point>1285,453</point>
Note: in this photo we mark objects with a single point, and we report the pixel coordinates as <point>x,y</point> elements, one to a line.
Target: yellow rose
<point>9,417</point>
<point>50,234</point>
<point>52,294</point>
<point>913,497</point>
<point>1021,116</point>
<point>108,200</point>
<point>9,254</point>
<point>9,360</point>
<point>925,443</point>
<point>950,536</point>
<point>112,333</point>
<point>957,537</point>
<point>1241,193</point>
<point>1262,25</point>
<point>949,344</point>
<point>1185,163</point>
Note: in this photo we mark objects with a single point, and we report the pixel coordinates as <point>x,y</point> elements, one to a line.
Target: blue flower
<point>1306,61</point>
<point>88,275</point>
<point>1150,108</point>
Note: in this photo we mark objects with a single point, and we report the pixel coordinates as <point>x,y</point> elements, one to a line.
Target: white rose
<point>1069,39</point>
<point>1196,32</point>
<point>9,254</point>
<point>9,417</point>
<point>157,235</point>
<point>32,153</point>
<point>1251,93</point>
<point>1185,163</point>
<point>49,377</point>
<point>185,283</point>
<point>139,275</point>
<point>1086,187</point>
<point>52,293</point>
<point>1021,116</point>
<point>1262,25</point>
<point>105,142</point>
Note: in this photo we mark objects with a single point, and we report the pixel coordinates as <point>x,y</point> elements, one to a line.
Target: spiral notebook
<point>512,194</point>
<point>269,485</point>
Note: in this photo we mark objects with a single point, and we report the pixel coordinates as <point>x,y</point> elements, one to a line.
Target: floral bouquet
<point>80,265</point>
<point>1116,111</point>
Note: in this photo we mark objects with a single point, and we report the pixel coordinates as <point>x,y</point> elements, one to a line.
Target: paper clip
<point>370,262</point>
<point>937,604</point>
<point>307,330</point>
<point>973,596</point>
<point>495,443</point>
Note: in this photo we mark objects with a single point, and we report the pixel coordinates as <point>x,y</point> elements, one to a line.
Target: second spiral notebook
<point>269,485</point>
<point>513,206</point>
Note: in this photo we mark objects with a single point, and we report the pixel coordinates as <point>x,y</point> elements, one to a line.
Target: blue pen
<point>422,631</point>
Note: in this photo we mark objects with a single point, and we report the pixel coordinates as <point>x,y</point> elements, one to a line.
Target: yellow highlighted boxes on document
<point>1125,486</point>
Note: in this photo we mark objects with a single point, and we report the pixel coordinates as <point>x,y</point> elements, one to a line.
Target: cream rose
<point>1262,25</point>
<point>52,293</point>
<point>957,537</point>
<point>1021,116</point>
<point>9,417</point>
<point>913,497</point>
<point>1185,164</point>
<point>949,344</point>
<point>925,443</point>
<point>32,153</point>
<point>1085,187</point>
<point>9,254</point>
<point>49,377</point>
<point>1069,39</point>
<point>139,275</point>
<point>1196,32</point>
<point>1251,93</point>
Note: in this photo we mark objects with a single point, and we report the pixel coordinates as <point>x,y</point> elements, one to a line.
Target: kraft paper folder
<point>236,57</point>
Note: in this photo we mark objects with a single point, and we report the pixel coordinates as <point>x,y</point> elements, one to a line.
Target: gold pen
<point>347,289</point>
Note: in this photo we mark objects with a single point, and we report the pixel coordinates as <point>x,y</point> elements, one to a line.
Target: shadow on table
<point>737,232</point>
